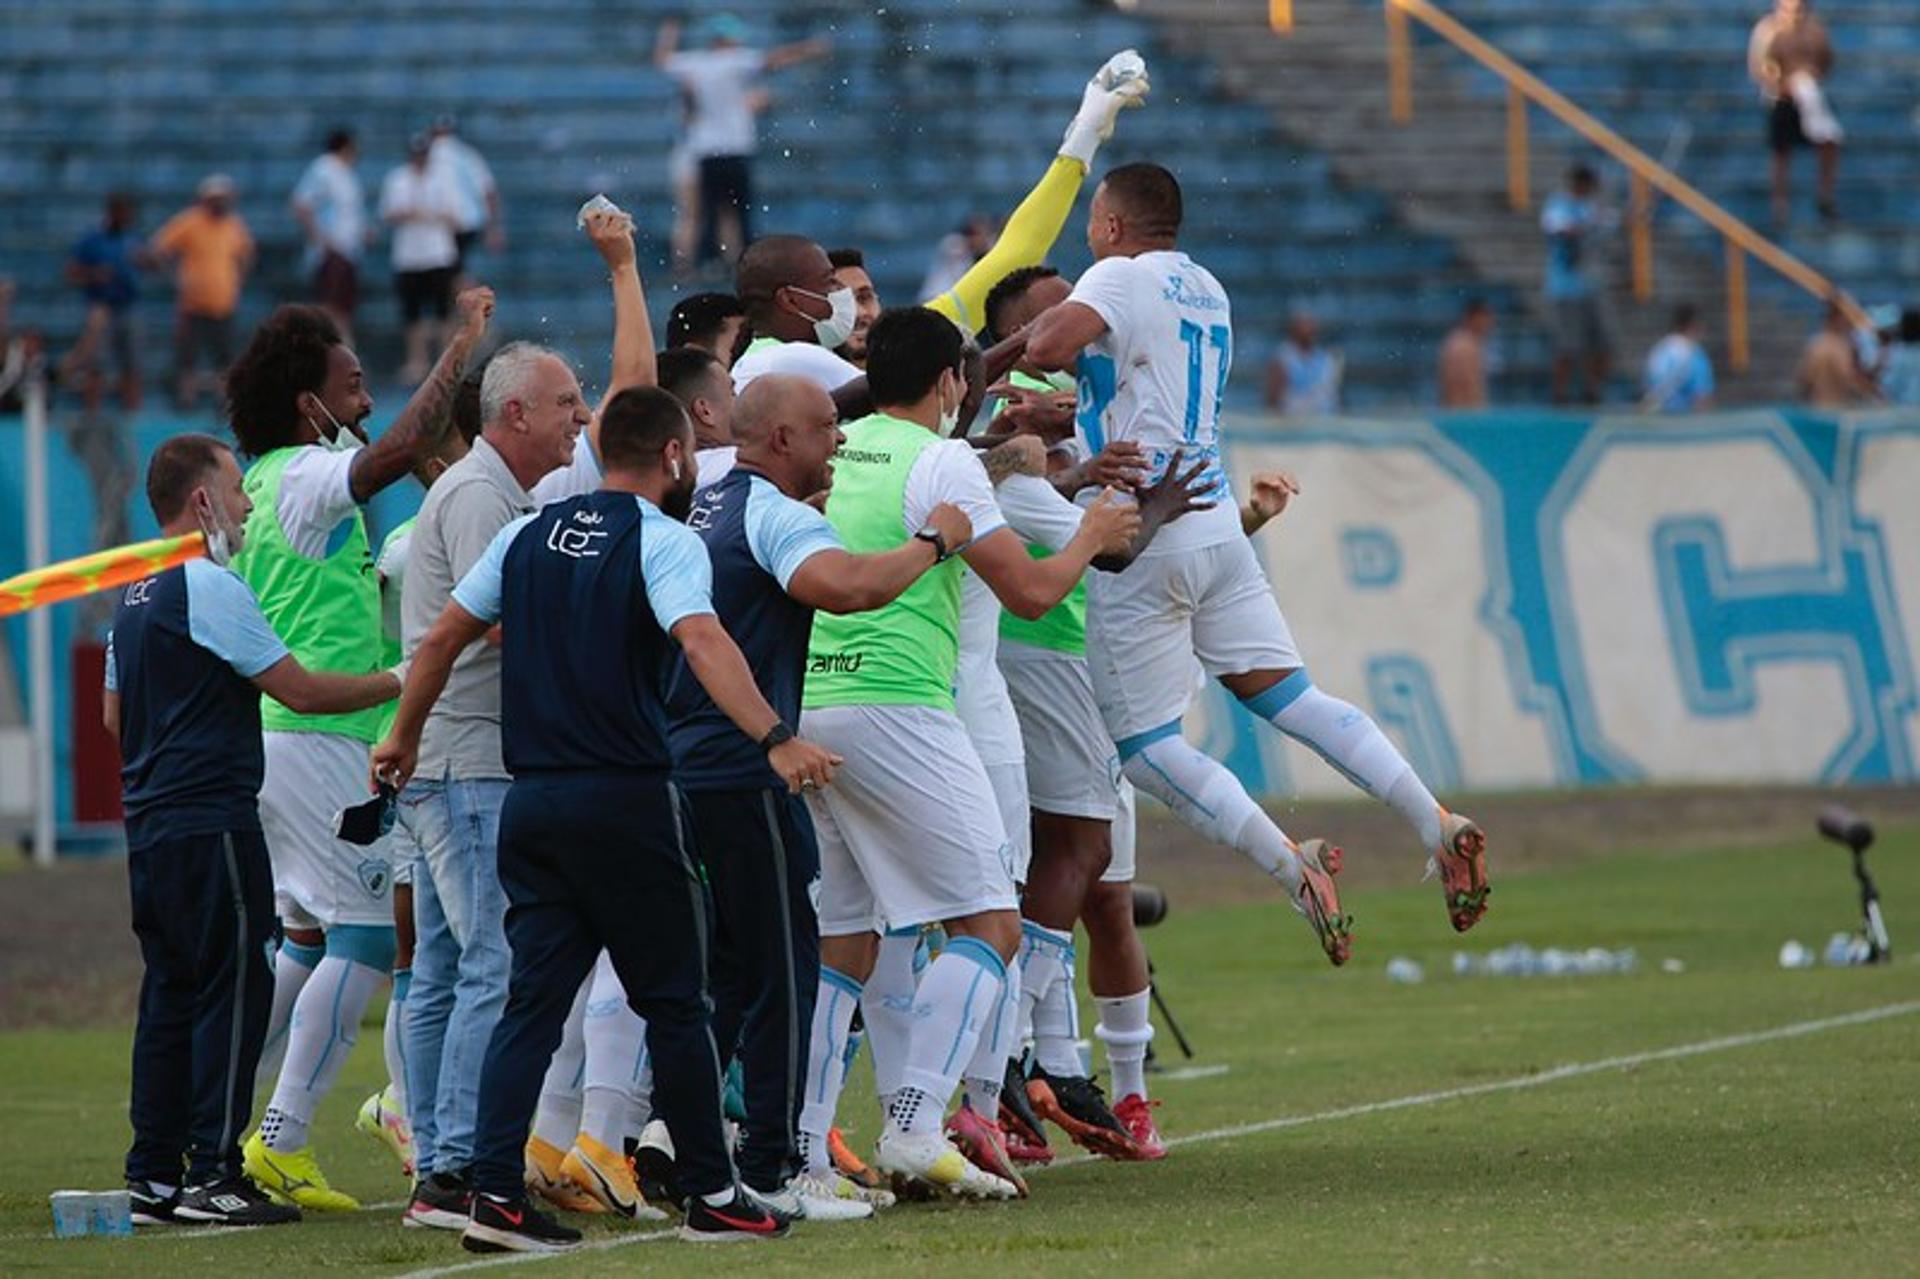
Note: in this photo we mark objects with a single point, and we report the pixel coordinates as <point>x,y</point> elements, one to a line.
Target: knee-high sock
<point>1348,739</point>
<point>293,966</point>
<point>986,1071</point>
<point>1056,1024</point>
<point>957,997</point>
<point>324,1028</point>
<point>826,1064</point>
<point>617,1064</point>
<point>1046,954</point>
<point>1206,796</point>
<point>557,1120</point>
<point>1126,1031</point>
<point>393,1042</point>
<point>886,1005</point>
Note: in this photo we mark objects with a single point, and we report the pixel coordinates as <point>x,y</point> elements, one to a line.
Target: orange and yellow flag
<point>100,571</point>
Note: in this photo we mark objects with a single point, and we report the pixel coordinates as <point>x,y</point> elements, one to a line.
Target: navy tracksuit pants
<point>203,912</point>
<point>594,861</point>
<point>762,865</point>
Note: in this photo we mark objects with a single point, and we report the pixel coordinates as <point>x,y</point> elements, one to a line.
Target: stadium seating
<point>908,128</point>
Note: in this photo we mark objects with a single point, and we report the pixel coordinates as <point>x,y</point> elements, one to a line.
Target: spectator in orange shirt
<point>214,252</point>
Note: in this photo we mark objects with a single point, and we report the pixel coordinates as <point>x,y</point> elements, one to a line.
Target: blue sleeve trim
<point>1270,702</point>
<point>1128,747</point>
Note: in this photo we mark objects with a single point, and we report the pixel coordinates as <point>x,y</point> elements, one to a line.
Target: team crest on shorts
<point>376,876</point>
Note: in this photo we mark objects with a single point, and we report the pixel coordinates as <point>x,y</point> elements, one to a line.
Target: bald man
<point>775,560</point>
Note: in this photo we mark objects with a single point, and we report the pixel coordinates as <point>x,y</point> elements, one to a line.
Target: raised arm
<point>788,55</point>
<point>427,416</point>
<point>717,663</point>
<point>1036,221</point>
<point>667,42</point>
<point>634,363</point>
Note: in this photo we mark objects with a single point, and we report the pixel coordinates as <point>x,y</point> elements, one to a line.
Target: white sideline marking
<point>1571,1071</point>
<point>1190,1072</point>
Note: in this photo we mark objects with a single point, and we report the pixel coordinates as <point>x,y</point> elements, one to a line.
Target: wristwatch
<point>931,535</point>
<point>778,735</point>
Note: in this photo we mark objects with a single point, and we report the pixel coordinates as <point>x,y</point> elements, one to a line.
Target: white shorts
<point>1146,626</point>
<point>1072,770</point>
<point>1009,782</point>
<point>1126,822</point>
<point>909,831</point>
<point>319,880</point>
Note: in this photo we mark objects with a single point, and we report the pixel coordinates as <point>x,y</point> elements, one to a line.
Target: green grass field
<point>1771,1153</point>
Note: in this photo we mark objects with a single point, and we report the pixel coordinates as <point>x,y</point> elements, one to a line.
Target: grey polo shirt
<point>476,498</point>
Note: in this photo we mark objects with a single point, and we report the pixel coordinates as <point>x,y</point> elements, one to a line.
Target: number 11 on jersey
<point>1197,340</point>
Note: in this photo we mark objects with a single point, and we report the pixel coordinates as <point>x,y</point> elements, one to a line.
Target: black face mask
<point>364,824</point>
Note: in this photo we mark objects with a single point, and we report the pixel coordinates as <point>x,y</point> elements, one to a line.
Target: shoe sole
<point>223,1222</point>
<point>479,1238</point>
<point>995,1162</point>
<point>1092,1138</point>
<point>690,1235</point>
<point>378,1131</point>
<point>602,1192</point>
<point>434,1219</point>
<point>1320,859</point>
<point>1466,907</point>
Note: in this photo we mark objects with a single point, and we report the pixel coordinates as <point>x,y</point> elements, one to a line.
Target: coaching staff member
<point>189,655</point>
<point>596,596</point>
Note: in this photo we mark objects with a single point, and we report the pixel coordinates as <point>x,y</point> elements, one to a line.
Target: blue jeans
<point>460,961</point>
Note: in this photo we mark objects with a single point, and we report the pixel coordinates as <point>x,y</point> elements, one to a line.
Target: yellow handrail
<point>1523,87</point>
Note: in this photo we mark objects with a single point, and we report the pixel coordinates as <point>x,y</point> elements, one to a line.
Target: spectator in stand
<point>332,212</point>
<point>104,266</point>
<point>1465,359</point>
<point>957,252</point>
<point>1574,221</point>
<point>1303,376</point>
<point>1900,375</point>
<point>850,271</point>
<point>721,135</point>
<point>1830,373</point>
<point>418,201</point>
<point>214,252</point>
<point>1679,374</point>
<point>1789,58</point>
<point>714,322</point>
<point>477,197</point>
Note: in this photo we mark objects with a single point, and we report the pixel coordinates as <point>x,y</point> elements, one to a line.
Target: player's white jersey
<point>1157,376</point>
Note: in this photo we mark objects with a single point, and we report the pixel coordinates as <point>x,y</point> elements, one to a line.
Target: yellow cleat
<point>608,1177</point>
<point>544,1178</point>
<point>293,1176</point>
<point>387,1124</point>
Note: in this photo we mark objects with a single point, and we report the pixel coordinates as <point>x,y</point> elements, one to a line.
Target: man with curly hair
<point>297,401</point>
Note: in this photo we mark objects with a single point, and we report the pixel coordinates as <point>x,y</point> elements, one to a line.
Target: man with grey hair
<point>531,411</point>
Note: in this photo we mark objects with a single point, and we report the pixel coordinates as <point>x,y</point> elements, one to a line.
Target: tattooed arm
<point>427,416</point>
<point>1021,455</point>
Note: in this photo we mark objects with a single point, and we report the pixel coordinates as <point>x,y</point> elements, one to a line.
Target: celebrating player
<point>1151,334</point>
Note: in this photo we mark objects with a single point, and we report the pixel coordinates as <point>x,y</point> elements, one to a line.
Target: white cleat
<point>931,1158</point>
<point>812,1198</point>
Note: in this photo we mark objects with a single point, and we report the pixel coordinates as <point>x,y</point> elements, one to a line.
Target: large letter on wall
<point>1714,614</point>
<point>1391,573</point>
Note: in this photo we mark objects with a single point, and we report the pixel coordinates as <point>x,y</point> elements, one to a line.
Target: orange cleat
<point>850,1165</point>
<point>1462,862</point>
<point>1320,900</point>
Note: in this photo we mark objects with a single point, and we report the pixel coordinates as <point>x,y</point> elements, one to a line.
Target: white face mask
<point>342,440</point>
<point>217,530</point>
<point>838,327</point>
